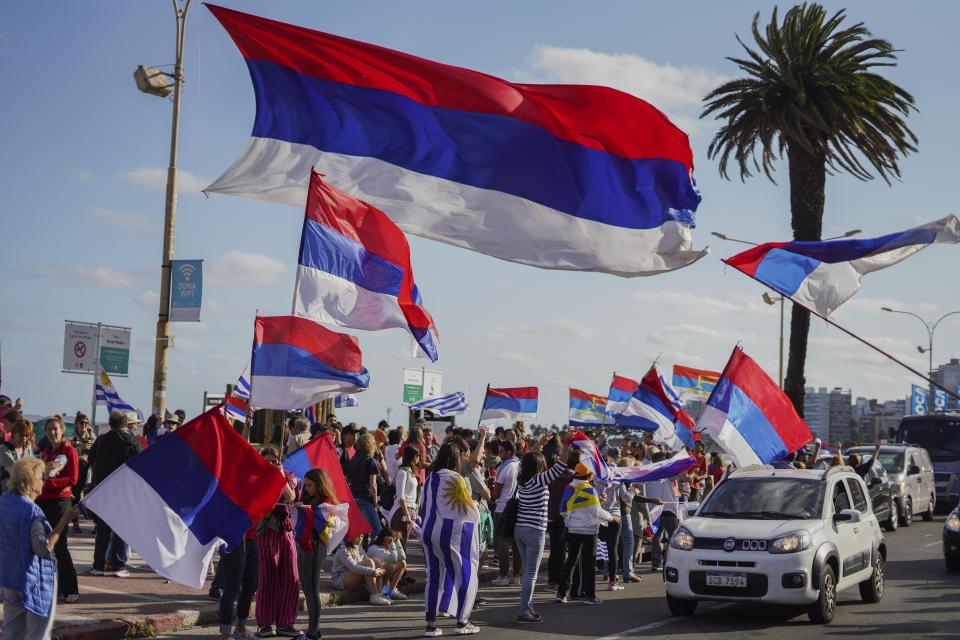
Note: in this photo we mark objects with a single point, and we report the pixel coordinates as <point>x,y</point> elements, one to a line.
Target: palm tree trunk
<point>807,178</point>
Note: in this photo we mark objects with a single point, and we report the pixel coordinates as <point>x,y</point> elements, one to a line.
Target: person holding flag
<point>451,546</point>
<point>317,490</point>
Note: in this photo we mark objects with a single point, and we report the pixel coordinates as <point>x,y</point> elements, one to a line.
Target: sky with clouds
<point>83,166</point>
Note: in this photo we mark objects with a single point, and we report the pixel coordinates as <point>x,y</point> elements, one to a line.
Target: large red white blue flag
<point>354,268</point>
<point>750,417</point>
<point>181,497</point>
<point>297,362</point>
<point>572,177</point>
<point>823,275</point>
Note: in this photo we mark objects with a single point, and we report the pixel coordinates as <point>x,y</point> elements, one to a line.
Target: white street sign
<point>79,346</point>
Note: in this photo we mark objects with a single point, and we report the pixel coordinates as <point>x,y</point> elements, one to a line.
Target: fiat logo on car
<point>729,544</point>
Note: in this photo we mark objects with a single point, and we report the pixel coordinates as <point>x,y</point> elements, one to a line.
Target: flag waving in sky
<point>196,487</point>
<point>297,362</point>
<point>750,417</point>
<point>354,269</point>
<point>587,409</point>
<point>107,394</point>
<point>823,275</point>
<point>575,177</point>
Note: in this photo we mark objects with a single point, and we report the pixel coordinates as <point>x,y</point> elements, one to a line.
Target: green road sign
<point>412,393</point>
<point>114,360</point>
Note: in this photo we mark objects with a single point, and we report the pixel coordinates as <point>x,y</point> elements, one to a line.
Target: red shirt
<point>61,486</point>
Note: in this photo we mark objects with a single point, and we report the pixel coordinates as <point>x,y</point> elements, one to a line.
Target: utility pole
<point>163,341</point>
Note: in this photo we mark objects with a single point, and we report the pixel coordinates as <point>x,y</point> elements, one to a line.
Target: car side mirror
<point>847,515</point>
<point>913,470</point>
<point>875,481</point>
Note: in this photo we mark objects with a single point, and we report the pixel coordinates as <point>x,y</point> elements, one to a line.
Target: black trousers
<point>610,534</point>
<point>53,510</point>
<point>581,550</point>
<point>558,551</point>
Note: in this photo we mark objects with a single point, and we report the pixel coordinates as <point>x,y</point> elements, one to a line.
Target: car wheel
<point>931,505</point>
<point>681,607</point>
<point>871,589</point>
<point>953,563</point>
<point>906,514</point>
<point>894,521</point>
<point>823,610</point>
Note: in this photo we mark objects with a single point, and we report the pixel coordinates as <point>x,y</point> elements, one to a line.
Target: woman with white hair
<point>28,570</point>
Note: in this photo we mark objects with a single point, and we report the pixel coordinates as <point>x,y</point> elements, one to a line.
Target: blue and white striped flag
<point>107,394</point>
<point>451,404</point>
<point>346,400</point>
<point>238,403</point>
<point>451,546</point>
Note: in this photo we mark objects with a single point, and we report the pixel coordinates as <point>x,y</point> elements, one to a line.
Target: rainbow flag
<point>694,383</point>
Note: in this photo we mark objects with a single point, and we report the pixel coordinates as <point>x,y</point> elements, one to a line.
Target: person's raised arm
<point>478,449</point>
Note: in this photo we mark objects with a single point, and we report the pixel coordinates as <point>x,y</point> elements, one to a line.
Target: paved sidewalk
<point>146,604</point>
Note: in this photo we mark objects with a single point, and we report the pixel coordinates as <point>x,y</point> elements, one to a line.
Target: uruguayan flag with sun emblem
<point>451,545</point>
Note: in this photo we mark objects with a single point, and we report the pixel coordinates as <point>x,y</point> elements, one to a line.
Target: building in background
<point>874,418</point>
<point>948,376</point>
<point>829,414</point>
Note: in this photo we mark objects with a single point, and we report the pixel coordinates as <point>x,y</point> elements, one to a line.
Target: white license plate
<point>733,580</point>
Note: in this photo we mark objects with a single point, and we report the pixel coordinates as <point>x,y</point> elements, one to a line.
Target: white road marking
<point>656,625</point>
<point>933,544</point>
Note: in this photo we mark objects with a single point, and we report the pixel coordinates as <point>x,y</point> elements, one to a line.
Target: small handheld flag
<point>452,404</point>
<point>107,394</point>
<point>587,409</point>
<point>518,403</point>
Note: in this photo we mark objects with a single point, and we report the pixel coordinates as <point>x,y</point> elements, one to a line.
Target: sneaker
<point>243,635</point>
<point>70,599</point>
<point>265,631</point>
<point>466,628</point>
<point>288,632</point>
<point>514,580</point>
<point>379,600</point>
<point>396,594</point>
<point>96,572</point>
<point>502,581</point>
<point>432,632</point>
<point>530,618</point>
<point>561,599</point>
<point>613,586</point>
<point>633,579</point>
<point>122,573</point>
<point>592,601</point>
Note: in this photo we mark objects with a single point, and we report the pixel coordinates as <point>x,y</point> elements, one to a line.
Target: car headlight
<point>790,543</point>
<point>682,539</point>
<point>952,523</point>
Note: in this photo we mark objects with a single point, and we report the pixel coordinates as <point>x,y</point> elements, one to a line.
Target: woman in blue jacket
<point>28,570</point>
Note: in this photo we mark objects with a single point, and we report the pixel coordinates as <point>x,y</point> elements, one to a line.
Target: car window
<point>859,500</point>
<point>840,499</point>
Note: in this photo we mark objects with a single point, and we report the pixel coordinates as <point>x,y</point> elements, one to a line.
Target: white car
<point>779,536</point>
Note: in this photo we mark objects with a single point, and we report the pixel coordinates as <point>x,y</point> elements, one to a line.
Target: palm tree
<point>811,93</point>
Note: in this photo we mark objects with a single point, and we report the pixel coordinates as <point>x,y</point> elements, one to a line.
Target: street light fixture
<point>931,327</point>
<point>153,81</point>
<point>773,300</point>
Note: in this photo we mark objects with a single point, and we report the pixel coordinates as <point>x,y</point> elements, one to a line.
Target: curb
<point>147,626</point>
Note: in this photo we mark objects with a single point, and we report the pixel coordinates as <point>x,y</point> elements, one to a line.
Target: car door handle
<point>856,530</point>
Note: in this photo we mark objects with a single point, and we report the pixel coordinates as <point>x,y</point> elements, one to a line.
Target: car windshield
<point>892,461</point>
<point>768,498</point>
<point>941,438</point>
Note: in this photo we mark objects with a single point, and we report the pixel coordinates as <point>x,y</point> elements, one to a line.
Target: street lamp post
<point>931,328</point>
<point>770,299</point>
<point>151,81</point>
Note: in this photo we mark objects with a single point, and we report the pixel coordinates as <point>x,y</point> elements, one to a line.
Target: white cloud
<point>98,276</point>
<point>240,269</point>
<point>691,303</point>
<point>875,305</point>
<point>685,333</point>
<point>675,90</point>
<point>516,360</point>
<point>156,178</point>
<point>148,300</point>
<point>121,220</point>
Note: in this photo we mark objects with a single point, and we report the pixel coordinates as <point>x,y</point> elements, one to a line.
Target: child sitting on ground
<point>387,552</point>
<point>352,569</point>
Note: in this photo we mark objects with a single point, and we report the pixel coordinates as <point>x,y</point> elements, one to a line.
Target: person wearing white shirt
<point>503,490</point>
<point>666,491</point>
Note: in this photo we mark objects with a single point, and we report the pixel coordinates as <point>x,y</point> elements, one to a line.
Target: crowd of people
<point>532,492</point>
